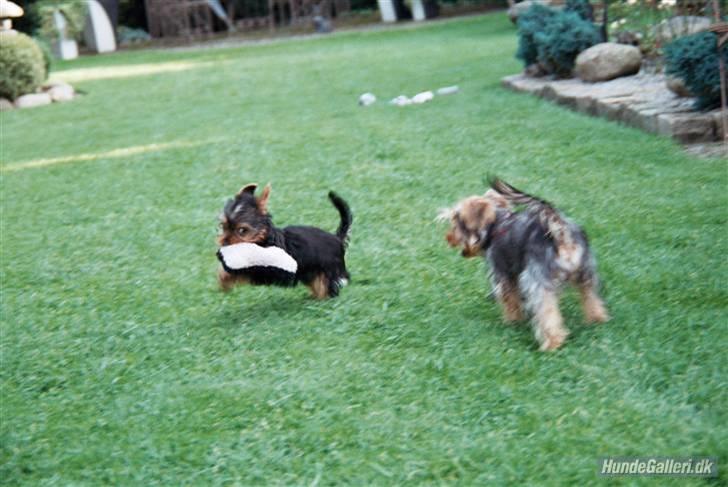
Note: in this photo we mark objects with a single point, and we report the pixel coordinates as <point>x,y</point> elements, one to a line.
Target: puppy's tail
<point>557,226</point>
<point>346,217</point>
<point>516,196</point>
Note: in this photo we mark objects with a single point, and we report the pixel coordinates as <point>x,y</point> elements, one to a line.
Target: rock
<point>33,100</point>
<point>608,60</point>
<point>447,90</point>
<point>679,26</point>
<point>677,86</point>
<point>519,8</point>
<point>688,128</point>
<point>401,101</point>
<point>61,92</point>
<point>6,105</point>
<point>367,99</point>
<point>423,97</point>
<point>642,101</point>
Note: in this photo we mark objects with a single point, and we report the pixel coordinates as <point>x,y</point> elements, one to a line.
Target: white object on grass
<point>423,97</point>
<point>401,101</point>
<point>448,90</point>
<point>245,255</point>
<point>367,99</point>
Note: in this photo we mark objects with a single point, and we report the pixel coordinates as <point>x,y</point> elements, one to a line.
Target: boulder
<point>448,90</point>
<point>608,60</point>
<point>423,97</point>
<point>518,8</point>
<point>401,101</point>
<point>61,92</point>
<point>679,26</point>
<point>5,105</point>
<point>33,100</point>
<point>367,99</point>
<point>677,86</point>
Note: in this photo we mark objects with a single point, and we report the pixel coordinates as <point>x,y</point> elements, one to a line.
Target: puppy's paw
<point>553,341</point>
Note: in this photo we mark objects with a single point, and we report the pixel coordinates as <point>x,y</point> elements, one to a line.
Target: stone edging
<point>641,101</point>
<point>58,92</point>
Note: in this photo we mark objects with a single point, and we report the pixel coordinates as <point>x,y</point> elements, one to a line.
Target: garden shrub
<point>47,55</point>
<point>531,22</point>
<point>564,37</point>
<point>22,67</point>
<point>74,12</point>
<point>582,7</point>
<point>694,59</point>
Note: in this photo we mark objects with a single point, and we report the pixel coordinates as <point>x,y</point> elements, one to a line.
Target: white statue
<point>98,33</point>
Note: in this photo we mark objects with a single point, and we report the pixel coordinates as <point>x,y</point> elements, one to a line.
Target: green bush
<point>47,55</point>
<point>564,37</point>
<point>531,22</point>
<point>72,10</point>
<point>582,7</point>
<point>22,67</point>
<point>694,59</point>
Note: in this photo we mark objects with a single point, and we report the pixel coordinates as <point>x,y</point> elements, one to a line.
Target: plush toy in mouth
<point>261,265</point>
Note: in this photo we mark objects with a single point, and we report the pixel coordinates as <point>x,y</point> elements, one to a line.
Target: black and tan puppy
<point>320,255</point>
<point>533,254</point>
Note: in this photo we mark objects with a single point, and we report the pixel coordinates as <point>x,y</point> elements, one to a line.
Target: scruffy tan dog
<point>533,254</point>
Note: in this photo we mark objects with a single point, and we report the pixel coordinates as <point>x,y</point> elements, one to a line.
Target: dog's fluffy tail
<point>346,217</point>
<point>557,226</point>
<point>516,196</point>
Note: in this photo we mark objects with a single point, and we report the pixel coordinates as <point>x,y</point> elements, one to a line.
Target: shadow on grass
<point>238,309</point>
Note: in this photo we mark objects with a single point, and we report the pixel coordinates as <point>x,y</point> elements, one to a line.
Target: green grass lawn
<point>123,364</point>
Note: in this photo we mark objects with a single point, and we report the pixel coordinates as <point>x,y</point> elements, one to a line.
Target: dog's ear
<point>481,213</point>
<point>263,199</point>
<point>248,188</point>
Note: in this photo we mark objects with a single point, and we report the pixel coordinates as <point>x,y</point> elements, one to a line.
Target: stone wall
<point>641,101</point>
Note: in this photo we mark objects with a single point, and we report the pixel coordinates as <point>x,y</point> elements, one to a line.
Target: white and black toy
<point>261,265</point>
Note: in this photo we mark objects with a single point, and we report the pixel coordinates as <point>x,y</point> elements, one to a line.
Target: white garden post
<point>63,47</point>
<point>98,33</point>
<point>418,10</point>
<point>386,8</point>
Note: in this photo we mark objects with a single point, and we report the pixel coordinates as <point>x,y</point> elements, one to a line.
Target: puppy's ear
<point>263,199</point>
<point>248,188</point>
<point>481,213</point>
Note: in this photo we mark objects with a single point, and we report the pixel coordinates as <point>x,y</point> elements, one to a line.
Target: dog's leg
<point>226,280</point>
<point>320,286</point>
<point>510,299</point>
<point>548,322</point>
<point>592,304</point>
<point>542,300</point>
